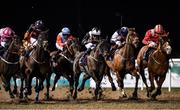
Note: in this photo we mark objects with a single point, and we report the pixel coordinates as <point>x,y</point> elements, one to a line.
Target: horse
<point>124,61</point>
<point>62,63</point>
<point>37,64</point>
<point>9,63</point>
<point>96,67</point>
<point>157,64</point>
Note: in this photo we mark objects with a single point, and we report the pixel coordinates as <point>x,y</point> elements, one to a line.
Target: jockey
<point>118,39</point>
<point>151,39</point>
<point>5,37</point>
<point>30,37</point>
<point>63,38</point>
<point>90,40</point>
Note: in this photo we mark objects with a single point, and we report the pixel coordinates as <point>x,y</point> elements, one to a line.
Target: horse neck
<point>38,53</point>
<point>9,54</point>
<point>160,56</point>
<point>128,51</point>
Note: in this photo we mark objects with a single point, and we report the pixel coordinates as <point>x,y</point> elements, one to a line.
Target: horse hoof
<point>124,96</point>
<point>113,88</point>
<point>80,89</point>
<point>15,91</point>
<point>12,96</point>
<point>53,89</point>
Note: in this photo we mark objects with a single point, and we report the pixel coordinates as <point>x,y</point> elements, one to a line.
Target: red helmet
<point>159,29</point>
<point>7,32</point>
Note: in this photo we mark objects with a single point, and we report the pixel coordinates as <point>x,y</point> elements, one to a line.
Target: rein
<point>71,61</point>
<point>11,63</point>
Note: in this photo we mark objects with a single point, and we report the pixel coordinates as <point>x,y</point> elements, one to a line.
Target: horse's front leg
<point>134,73</point>
<point>38,89</point>
<point>21,88</point>
<point>55,81</point>
<point>121,84</point>
<point>48,85</point>
<point>111,81</point>
<point>15,85</point>
<point>76,80</point>
<point>159,85</point>
<point>141,71</point>
<point>9,88</point>
<point>85,78</point>
<point>6,85</point>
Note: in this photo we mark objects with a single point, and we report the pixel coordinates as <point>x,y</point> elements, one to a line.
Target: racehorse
<point>62,63</point>
<point>158,64</point>
<point>96,67</point>
<point>124,61</point>
<point>9,63</point>
<point>38,65</point>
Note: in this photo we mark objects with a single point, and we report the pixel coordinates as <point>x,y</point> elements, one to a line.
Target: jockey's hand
<point>152,44</point>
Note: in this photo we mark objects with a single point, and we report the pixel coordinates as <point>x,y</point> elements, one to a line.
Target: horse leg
<point>6,85</point>
<point>21,88</point>
<point>15,85</point>
<point>55,81</point>
<point>111,81</point>
<point>121,85</point>
<point>76,79</point>
<point>71,85</point>
<point>38,89</point>
<point>134,73</point>
<point>151,79</point>
<point>159,85</point>
<point>144,80</point>
<point>98,82</point>
<point>85,77</point>
<point>48,85</point>
<point>28,80</point>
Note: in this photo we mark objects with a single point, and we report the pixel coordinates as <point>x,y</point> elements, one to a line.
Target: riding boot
<point>147,53</point>
<point>2,50</point>
<point>83,58</point>
<point>111,53</point>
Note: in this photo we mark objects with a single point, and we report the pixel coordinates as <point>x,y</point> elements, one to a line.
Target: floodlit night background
<point>81,15</point>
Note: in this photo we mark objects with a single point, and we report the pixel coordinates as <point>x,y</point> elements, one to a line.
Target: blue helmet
<point>65,31</point>
<point>123,31</point>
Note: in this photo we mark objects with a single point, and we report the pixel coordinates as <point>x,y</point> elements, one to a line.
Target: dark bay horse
<point>62,63</point>
<point>96,67</point>
<point>9,63</point>
<point>38,65</point>
<point>158,64</point>
<point>124,61</point>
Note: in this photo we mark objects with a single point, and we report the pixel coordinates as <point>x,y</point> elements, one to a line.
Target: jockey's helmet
<point>158,29</point>
<point>39,25</point>
<point>123,31</point>
<point>7,32</point>
<point>65,31</point>
<point>95,31</point>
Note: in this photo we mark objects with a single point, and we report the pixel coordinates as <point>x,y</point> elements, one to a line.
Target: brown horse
<point>9,63</point>
<point>96,67</point>
<point>62,63</point>
<point>124,61</point>
<point>38,65</point>
<point>158,64</point>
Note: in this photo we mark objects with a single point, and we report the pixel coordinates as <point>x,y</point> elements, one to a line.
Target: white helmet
<point>95,31</point>
<point>65,30</point>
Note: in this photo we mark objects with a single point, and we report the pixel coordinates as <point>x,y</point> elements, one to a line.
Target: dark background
<point>81,15</point>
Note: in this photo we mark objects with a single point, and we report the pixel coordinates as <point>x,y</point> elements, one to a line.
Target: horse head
<point>164,45</point>
<point>71,48</point>
<point>13,46</point>
<point>132,38</point>
<point>42,40</point>
<point>102,49</point>
<point>40,53</point>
